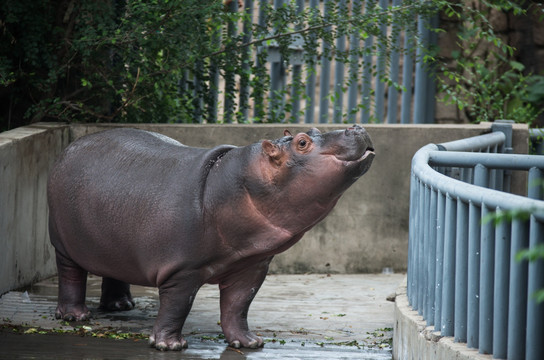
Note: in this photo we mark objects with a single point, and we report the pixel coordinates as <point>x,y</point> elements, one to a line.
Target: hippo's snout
<point>359,131</point>
<point>352,144</point>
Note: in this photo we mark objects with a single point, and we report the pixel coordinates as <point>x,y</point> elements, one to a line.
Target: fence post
<point>517,306</point>
<point>501,285</point>
<point>535,311</point>
<point>448,290</point>
<point>504,177</point>
<point>431,267</point>
<point>473,291</point>
<point>487,258</point>
<point>441,209</point>
<point>461,272</point>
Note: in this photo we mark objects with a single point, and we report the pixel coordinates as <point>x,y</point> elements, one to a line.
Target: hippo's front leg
<point>237,293</point>
<point>176,298</point>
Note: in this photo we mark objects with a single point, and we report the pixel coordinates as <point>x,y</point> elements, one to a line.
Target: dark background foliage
<point>99,60</point>
<point>131,60</point>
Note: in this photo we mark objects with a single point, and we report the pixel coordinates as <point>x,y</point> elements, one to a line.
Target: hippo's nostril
<point>355,129</point>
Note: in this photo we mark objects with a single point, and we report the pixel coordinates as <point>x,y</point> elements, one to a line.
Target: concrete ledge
<point>413,339</point>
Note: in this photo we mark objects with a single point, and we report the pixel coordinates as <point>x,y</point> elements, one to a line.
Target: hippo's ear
<point>272,150</point>
<point>286,133</point>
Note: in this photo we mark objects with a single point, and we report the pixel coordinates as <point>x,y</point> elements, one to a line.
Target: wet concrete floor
<point>299,316</point>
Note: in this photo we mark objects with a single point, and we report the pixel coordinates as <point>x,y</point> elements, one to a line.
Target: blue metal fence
<point>463,277</point>
<point>360,91</point>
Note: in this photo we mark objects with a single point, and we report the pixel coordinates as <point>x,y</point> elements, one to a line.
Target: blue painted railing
<point>463,277</point>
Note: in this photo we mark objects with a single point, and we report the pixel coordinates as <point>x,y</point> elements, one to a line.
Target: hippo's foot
<point>245,339</point>
<point>115,295</point>
<point>72,312</point>
<point>164,343</point>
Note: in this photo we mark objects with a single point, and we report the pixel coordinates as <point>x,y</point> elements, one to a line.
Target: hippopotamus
<point>137,207</point>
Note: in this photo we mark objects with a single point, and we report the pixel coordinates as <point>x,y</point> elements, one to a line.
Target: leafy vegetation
<point>160,60</point>
<point>484,80</point>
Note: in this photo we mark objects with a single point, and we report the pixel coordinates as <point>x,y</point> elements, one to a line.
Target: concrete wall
<point>26,155</point>
<point>367,231</point>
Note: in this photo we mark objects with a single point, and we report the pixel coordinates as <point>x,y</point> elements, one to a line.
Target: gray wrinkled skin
<point>140,208</point>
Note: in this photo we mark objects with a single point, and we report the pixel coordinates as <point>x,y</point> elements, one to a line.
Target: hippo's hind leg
<point>72,287</point>
<point>115,295</point>
<point>237,293</point>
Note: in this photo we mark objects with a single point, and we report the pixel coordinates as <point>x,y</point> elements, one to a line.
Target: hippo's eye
<point>303,143</point>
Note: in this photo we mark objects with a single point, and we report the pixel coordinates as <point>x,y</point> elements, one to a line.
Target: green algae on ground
<point>83,330</point>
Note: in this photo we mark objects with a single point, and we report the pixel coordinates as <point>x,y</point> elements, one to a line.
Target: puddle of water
<point>68,346</point>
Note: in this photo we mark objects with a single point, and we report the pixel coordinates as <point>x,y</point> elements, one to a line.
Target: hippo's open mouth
<point>369,151</point>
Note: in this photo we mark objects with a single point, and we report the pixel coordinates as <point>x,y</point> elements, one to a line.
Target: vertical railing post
<point>441,213</point>
<point>535,311</point>
<point>534,346</point>
<point>504,126</point>
<point>501,285</point>
<point>461,272</point>
<point>448,290</point>
<point>431,255</point>
<point>421,249</point>
<point>517,309</point>
<point>424,264</point>
<point>473,286</point>
<point>412,238</point>
<point>487,258</point>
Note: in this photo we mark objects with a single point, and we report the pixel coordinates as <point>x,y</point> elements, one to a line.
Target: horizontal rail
<point>468,192</point>
<point>493,161</point>
<point>474,143</point>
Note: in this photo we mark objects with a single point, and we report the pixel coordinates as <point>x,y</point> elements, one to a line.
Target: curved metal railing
<point>463,277</point>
